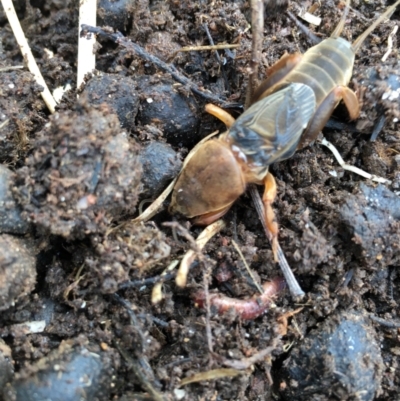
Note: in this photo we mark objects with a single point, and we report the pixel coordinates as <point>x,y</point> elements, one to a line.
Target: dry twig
<point>197,246</point>
<point>86,55</point>
<point>140,375</point>
<point>351,168</point>
<point>27,53</point>
<point>156,293</point>
<point>390,43</point>
<point>245,363</point>
<point>259,288</point>
<point>168,68</point>
<point>207,47</point>
<point>257,29</point>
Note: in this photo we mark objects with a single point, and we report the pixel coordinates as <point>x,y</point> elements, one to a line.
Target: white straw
<point>86,56</point>
<point>27,54</point>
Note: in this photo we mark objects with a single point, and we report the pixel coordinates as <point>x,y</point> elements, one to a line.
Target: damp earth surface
<point>77,274</point>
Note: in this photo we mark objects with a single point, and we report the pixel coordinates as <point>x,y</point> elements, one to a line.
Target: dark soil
<point>76,275</point>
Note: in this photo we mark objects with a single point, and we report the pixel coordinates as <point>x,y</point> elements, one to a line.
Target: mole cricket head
<point>209,183</point>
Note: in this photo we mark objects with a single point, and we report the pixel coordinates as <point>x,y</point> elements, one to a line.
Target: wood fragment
<point>390,43</point>
<point>27,53</point>
<point>139,372</point>
<point>168,68</point>
<point>310,18</point>
<point>86,55</point>
<point>156,293</point>
<point>383,322</point>
<point>257,29</point>
<point>191,254</point>
<point>207,47</point>
<point>258,286</point>
<point>246,363</point>
<point>210,375</point>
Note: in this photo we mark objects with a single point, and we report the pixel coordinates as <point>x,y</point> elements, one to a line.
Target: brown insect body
<point>327,69</point>
<point>323,67</point>
<point>291,107</point>
<point>218,172</point>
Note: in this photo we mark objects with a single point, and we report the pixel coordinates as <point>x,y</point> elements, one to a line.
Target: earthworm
<point>247,309</point>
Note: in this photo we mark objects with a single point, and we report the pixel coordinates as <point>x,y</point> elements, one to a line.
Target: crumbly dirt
<point>77,180</point>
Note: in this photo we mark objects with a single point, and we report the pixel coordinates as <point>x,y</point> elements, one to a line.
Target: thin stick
<point>190,255</point>
<point>11,68</point>
<point>210,39</point>
<point>313,38</point>
<point>156,293</point>
<point>387,323</point>
<point>259,288</point>
<point>207,47</point>
<point>155,207</point>
<point>292,283</point>
<point>206,278</point>
<point>351,168</point>
<point>4,123</point>
<point>257,29</point>
<point>168,68</point>
<point>86,55</point>
<point>390,43</point>
<point>27,53</point>
<point>140,373</point>
<point>146,281</point>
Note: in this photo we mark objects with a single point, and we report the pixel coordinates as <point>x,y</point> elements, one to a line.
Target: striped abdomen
<point>322,68</point>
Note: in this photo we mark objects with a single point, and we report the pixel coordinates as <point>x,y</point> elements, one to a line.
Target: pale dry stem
<point>27,53</point>
<point>86,55</point>
<point>351,168</point>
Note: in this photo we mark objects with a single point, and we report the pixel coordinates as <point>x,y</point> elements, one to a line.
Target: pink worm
<point>247,309</point>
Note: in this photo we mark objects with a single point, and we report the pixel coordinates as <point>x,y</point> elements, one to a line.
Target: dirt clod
<point>372,217</point>
<point>161,164</point>
<point>10,214</point>
<point>17,269</point>
<point>83,174</point>
<point>63,375</point>
<point>173,113</point>
<point>119,93</point>
<point>114,13</point>
<point>337,360</point>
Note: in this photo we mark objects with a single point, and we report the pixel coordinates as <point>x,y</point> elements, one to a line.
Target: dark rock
<point>17,269</point>
<point>114,13</point>
<point>161,164</point>
<point>10,214</point>
<point>65,375</point>
<point>173,113</point>
<point>372,217</point>
<point>338,360</point>
<point>118,92</point>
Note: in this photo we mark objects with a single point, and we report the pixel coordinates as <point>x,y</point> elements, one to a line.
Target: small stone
<point>11,221</point>
<point>17,269</point>
<point>161,164</point>
<point>66,375</point>
<point>118,92</point>
<point>337,360</point>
